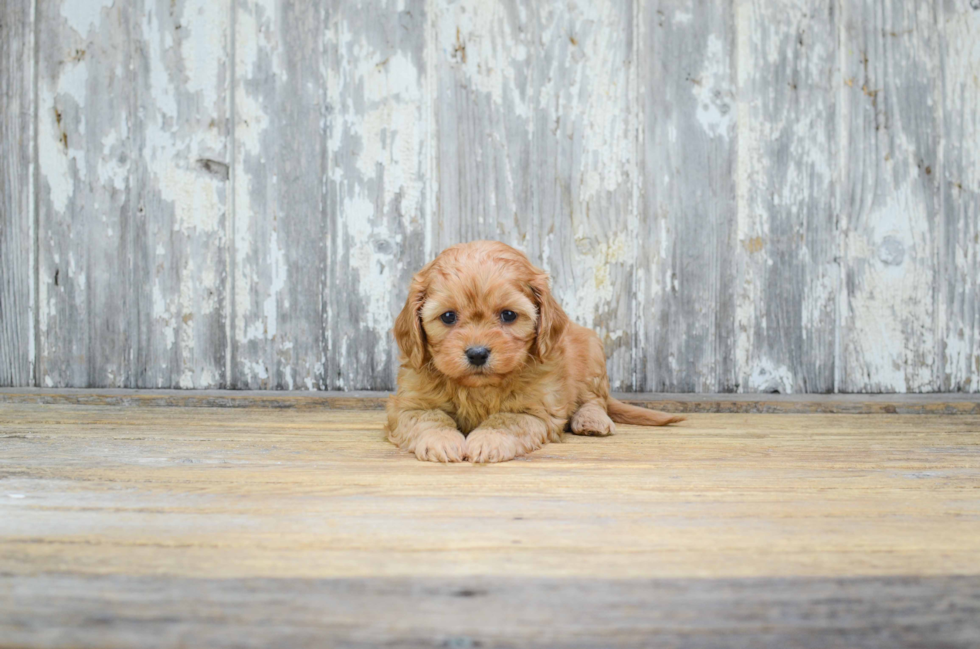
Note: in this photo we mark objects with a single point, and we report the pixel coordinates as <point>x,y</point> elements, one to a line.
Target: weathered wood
<point>235,193</point>
<point>854,404</point>
<point>788,277</point>
<point>17,193</point>
<point>686,323</point>
<point>181,135</point>
<point>137,527</point>
<point>487,612</point>
<point>889,196</point>
<point>959,253</point>
<point>86,294</point>
<point>281,232</point>
<point>536,147</point>
<point>380,181</point>
<point>131,157</point>
<point>353,400</point>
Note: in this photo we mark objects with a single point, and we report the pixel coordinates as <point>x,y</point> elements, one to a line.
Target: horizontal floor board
<point>950,403</point>
<point>71,611</point>
<point>165,527</point>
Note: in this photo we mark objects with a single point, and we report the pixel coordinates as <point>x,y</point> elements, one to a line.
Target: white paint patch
<point>596,291</point>
<point>890,343</point>
<point>164,316</point>
<point>595,101</point>
<point>390,128</point>
<point>113,169</point>
<point>713,91</point>
<point>254,30</point>
<point>766,376</point>
<point>278,269</point>
<point>476,37</point>
<point>204,37</point>
<point>682,17</point>
<point>373,267</point>
<point>56,150</point>
<point>82,15</point>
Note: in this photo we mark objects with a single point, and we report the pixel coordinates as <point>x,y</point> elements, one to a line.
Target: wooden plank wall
<point>752,196</point>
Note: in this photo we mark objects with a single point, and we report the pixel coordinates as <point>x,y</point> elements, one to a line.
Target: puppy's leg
<point>591,419</point>
<point>504,436</point>
<point>430,434</point>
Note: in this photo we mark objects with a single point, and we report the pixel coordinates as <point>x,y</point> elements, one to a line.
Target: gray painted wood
<point>686,324</point>
<point>763,196</point>
<point>787,272</point>
<point>380,182</point>
<point>16,193</point>
<point>72,610</point>
<point>889,209</point>
<point>86,190</point>
<point>132,159</point>
<point>280,226</point>
<point>959,253</point>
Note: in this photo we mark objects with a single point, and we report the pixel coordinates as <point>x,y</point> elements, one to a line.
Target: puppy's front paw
<point>441,445</point>
<point>489,445</point>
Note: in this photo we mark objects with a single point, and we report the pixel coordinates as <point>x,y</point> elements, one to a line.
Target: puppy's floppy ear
<point>552,320</point>
<point>408,325</point>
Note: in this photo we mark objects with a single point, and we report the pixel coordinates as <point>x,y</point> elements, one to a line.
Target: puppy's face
<point>477,314</point>
<point>479,324</point>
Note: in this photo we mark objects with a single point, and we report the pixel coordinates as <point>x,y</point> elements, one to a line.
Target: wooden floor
<point>167,527</point>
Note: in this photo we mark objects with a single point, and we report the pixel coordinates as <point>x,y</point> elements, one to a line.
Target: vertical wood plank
<point>890,198</point>
<point>131,150</point>
<point>86,189</point>
<point>686,339</point>
<point>788,82</point>
<point>378,185</point>
<point>281,214</point>
<point>959,256</point>
<point>179,247</point>
<point>17,237</point>
<point>537,149</point>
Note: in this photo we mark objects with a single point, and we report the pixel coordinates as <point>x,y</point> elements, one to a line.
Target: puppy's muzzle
<point>477,356</point>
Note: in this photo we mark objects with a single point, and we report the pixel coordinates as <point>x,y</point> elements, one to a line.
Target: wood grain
<point>287,493</point>
<point>86,290</point>
<point>757,197</point>
<point>889,196</point>
<point>132,155</point>
<point>380,182</point>
<point>281,231</point>
<point>17,193</point>
<point>788,276</point>
<point>686,320</point>
<point>787,613</point>
<point>959,252</point>
<point>136,527</point>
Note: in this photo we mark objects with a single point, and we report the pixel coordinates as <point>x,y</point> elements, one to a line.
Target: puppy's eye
<point>508,316</point>
<point>449,317</point>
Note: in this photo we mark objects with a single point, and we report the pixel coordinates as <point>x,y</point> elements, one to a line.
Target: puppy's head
<point>478,313</point>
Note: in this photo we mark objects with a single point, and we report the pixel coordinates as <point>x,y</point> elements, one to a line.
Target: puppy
<point>492,368</point>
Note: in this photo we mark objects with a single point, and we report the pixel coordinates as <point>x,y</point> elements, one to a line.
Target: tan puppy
<point>492,368</point>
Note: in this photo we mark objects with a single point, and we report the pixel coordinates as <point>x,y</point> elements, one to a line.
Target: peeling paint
<point>81,15</point>
<point>713,91</point>
<point>855,186</point>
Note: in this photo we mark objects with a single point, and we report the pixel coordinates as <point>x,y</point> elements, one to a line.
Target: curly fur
<point>545,374</point>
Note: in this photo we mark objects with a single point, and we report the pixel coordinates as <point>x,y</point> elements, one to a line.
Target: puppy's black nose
<point>478,355</point>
